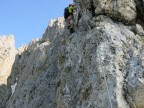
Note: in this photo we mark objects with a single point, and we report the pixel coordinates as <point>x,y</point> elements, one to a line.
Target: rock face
<point>7,58</point>
<point>100,65</point>
<point>121,10</point>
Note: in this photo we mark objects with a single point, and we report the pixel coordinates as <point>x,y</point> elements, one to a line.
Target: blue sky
<point>27,19</point>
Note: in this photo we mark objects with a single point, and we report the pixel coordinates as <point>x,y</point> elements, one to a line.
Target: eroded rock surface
<point>7,58</point>
<point>100,65</point>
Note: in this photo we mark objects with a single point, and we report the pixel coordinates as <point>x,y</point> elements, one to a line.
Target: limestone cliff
<point>7,58</point>
<point>100,65</point>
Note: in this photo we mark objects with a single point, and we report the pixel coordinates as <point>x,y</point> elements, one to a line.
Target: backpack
<point>66,13</point>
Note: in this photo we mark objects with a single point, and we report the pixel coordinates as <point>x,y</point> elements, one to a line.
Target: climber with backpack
<point>68,15</point>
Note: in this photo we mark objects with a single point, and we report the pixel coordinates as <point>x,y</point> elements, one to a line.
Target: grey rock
<point>100,65</point>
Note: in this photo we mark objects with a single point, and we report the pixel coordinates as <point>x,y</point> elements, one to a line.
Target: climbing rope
<point>104,74</point>
<point>106,40</point>
<point>101,63</point>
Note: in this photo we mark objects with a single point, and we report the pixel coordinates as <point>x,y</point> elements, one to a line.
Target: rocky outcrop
<point>124,10</point>
<point>127,11</point>
<point>100,65</point>
<point>7,58</point>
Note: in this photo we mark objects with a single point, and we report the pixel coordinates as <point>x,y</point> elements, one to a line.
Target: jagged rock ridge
<point>7,58</point>
<point>100,66</point>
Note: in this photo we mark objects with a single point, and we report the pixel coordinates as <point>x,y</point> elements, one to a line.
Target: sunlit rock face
<point>7,58</point>
<point>120,10</point>
<point>100,65</point>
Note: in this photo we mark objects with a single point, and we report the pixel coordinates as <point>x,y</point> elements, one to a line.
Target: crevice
<point>92,8</point>
<point>140,12</point>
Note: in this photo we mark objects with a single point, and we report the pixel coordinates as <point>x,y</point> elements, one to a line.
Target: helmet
<point>71,5</point>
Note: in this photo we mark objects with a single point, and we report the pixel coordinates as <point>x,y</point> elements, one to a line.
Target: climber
<point>68,15</point>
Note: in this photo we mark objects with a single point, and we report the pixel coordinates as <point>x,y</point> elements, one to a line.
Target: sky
<point>27,19</point>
